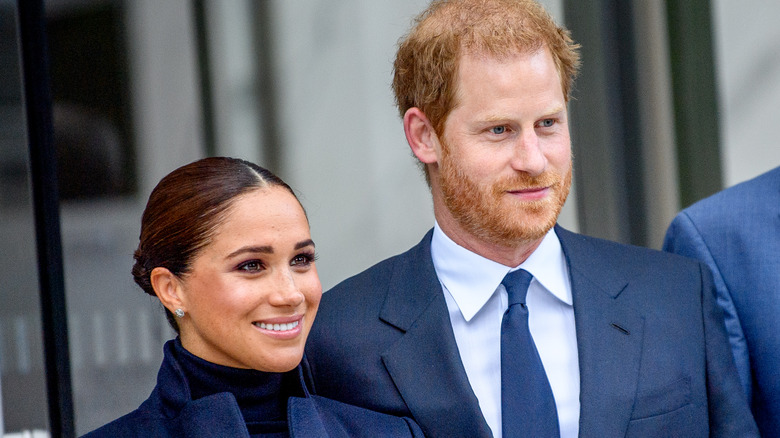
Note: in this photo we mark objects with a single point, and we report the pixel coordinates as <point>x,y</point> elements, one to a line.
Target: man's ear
<point>421,136</point>
<point>168,289</point>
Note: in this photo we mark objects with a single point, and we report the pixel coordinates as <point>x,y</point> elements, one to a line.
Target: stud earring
<point>179,313</point>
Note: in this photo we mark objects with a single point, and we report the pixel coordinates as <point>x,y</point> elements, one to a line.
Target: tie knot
<point>516,284</point>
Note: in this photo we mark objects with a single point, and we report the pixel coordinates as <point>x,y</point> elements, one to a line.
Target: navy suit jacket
<point>737,234</point>
<point>653,353</point>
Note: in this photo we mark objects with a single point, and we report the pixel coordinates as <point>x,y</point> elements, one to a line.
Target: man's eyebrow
<point>557,110</point>
<point>501,118</point>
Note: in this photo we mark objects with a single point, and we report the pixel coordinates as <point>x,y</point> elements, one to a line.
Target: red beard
<point>489,213</point>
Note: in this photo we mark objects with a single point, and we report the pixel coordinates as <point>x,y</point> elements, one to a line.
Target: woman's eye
<point>302,260</point>
<point>498,130</point>
<point>251,266</point>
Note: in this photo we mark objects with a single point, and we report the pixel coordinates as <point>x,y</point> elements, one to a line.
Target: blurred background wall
<point>303,87</point>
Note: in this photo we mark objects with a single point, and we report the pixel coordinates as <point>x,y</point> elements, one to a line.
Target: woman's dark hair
<point>185,208</point>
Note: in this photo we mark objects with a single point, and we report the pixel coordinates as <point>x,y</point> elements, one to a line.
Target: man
<point>623,341</point>
<point>737,234</point>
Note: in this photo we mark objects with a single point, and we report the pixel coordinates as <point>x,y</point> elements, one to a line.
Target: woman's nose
<point>286,293</point>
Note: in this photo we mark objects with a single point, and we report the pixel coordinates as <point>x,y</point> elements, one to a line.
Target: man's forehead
<point>482,56</point>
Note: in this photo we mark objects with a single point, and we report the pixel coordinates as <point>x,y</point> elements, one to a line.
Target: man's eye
<point>498,130</point>
<point>546,123</point>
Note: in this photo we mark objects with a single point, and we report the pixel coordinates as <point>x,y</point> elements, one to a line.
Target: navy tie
<point>527,402</point>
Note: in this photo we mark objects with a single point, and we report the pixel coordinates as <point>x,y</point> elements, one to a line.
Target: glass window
<point>22,376</point>
<point>116,332</point>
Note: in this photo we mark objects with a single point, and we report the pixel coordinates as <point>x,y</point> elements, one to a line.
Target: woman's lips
<point>277,327</point>
<point>283,328</point>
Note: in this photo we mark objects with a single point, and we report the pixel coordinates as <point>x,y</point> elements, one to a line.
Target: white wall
<point>747,42</point>
<point>164,88</point>
<point>345,150</point>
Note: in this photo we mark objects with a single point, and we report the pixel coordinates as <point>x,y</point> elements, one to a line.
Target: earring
<point>179,313</point>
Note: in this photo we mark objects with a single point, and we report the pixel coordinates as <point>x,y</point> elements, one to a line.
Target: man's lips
<point>531,193</point>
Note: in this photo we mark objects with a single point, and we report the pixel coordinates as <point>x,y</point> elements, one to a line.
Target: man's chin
<point>514,233</point>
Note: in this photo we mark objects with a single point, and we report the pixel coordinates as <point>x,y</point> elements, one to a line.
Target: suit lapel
<point>609,339</point>
<point>425,364</point>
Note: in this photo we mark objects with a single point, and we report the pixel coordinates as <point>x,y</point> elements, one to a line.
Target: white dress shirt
<point>477,301</point>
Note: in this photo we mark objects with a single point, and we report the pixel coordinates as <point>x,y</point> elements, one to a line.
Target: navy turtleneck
<point>262,397</point>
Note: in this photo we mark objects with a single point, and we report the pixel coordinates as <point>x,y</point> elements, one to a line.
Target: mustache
<point>522,181</point>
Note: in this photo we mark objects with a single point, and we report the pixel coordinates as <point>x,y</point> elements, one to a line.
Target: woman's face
<point>253,290</point>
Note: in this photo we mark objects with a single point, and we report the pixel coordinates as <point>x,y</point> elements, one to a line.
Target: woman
<point>225,246</point>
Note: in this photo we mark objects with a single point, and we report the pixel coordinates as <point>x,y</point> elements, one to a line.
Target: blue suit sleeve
<point>683,238</point>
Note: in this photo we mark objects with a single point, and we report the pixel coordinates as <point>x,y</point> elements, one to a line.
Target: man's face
<point>505,161</point>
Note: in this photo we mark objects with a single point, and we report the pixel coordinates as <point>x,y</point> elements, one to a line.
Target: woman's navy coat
<point>170,412</point>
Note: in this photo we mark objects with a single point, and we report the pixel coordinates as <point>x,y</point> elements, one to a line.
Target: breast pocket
<point>659,401</point>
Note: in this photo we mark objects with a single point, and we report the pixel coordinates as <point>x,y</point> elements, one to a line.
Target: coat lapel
<point>609,339</point>
<point>425,364</point>
<point>304,419</point>
<point>217,415</point>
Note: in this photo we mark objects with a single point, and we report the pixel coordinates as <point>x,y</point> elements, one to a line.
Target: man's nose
<point>527,155</point>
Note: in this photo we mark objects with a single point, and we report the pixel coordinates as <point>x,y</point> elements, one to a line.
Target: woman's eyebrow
<point>266,249</point>
<point>305,243</point>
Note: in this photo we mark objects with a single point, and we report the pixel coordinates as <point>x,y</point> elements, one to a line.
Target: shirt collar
<point>472,279</point>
